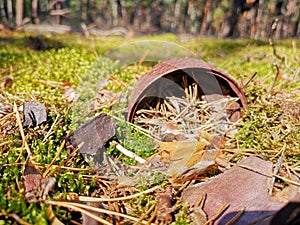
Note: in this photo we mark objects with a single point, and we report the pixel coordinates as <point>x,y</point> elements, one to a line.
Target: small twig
<point>128,153</point>
<point>21,130</point>
<point>250,79</point>
<point>271,40</point>
<point>276,170</point>
<point>276,76</point>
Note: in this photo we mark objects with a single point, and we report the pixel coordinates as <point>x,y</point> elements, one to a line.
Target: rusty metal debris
<point>163,78</point>
<point>179,98</point>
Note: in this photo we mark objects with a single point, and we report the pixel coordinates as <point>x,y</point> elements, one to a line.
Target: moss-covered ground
<point>271,125</point>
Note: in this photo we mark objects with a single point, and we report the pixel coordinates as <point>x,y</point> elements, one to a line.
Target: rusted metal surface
<point>210,79</point>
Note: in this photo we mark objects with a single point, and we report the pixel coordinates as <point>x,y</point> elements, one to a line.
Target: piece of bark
<point>93,134</point>
<point>34,114</point>
<point>240,188</point>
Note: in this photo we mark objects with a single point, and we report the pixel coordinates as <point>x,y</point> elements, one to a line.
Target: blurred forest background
<point>216,18</point>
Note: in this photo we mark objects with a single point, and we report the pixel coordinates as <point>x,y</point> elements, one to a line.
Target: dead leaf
<point>36,187</point>
<point>32,177</point>
<point>86,220</point>
<point>181,155</point>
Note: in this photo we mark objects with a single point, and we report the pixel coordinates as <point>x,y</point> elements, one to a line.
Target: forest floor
<point>51,69</point>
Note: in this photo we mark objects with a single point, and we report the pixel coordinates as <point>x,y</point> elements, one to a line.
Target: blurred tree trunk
<point>10,13</point>
<point>156,13</point>
<point>176,21</point>
<point>229,28</point>
<point>3,13</point>
<point>34,5</point>
<point>207,18</point>
<point>114,9</point>
<point>123,12</point>
<point>57,18</point>
<point>19,12</point>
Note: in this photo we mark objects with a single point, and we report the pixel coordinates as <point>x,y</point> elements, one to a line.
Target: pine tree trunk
<point>207,19</point>
<point>34,5</point>
<point>19,12</point>
<point>10,13</point>
<point>114,8</point>
<point>3,13</point>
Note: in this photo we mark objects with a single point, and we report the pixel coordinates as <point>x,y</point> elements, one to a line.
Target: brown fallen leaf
<point>36,187</point>
<point>86,220</point>
<point>183,156</point>
<point>32,177</point>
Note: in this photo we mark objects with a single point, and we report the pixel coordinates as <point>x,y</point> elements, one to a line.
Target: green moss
<point>42,76</point>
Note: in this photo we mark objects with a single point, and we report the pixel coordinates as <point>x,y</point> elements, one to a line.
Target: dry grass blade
<point>50,130</point>
<point>214,217</point>
<point>69,156</point>
<point>21,129</point>
<point>54,159</point>
<point>92,199</point>
<point>82,207</point>
<point>78,208</point>
<point>145,214</point>
<point>236,217</point>
<point>6,117</point>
